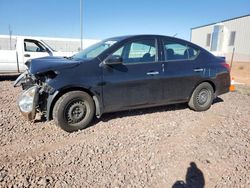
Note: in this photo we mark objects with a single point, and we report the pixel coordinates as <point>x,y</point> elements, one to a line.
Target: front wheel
<point>202,97</point>
<point>73,111</point>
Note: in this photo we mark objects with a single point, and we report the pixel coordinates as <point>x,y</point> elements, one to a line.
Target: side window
<point>33,46</point>
<point>177,51</point>
<point>119,52</point>
<point>138,51</point>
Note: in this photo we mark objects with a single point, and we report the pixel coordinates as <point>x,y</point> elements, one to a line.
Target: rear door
<point>135,82</point>
<point>182,69</point>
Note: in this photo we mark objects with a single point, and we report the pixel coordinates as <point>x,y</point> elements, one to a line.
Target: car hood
<point>40,65</point>
<point>63,54</point>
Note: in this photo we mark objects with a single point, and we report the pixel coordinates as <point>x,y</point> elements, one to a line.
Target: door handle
<point>26,55</point>
<point>152,73</point>
<point>198,70</point>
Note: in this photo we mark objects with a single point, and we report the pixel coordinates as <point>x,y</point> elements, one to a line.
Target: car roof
<point>127,37</point>
<point>134,36</point>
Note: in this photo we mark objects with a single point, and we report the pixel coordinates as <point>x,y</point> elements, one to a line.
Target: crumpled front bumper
<point>25,80</point>
<point>20,79</point>
<point>28,102</point>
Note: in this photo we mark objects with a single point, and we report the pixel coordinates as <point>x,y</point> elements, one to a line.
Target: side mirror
<point>113,60</point>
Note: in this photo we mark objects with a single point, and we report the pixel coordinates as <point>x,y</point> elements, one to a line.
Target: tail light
<point>227,66</point>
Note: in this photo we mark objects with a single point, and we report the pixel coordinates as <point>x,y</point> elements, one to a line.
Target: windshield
<point>94,50</point>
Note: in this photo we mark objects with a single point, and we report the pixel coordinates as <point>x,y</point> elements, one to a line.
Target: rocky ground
<point>170,146</point>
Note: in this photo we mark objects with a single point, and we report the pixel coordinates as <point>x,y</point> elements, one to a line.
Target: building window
<point>208,40</point>
<point>232,38</point>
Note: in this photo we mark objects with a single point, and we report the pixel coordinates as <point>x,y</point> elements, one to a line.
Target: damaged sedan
<point>121,73</point>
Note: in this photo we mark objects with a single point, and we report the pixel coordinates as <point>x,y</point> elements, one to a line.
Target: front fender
<point>50,101</point>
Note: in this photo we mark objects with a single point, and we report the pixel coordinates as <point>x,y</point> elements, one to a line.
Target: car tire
<point>202,97</point>
<point>74,111</point>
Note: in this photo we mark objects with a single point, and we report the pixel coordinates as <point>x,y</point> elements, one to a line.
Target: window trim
<point>37,43</point>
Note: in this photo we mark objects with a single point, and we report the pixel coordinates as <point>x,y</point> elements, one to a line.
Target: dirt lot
<point>241,72</point>
<point>168,146</point>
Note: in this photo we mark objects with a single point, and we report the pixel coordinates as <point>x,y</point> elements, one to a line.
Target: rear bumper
<point>222,83</point>
<point>222,91</point>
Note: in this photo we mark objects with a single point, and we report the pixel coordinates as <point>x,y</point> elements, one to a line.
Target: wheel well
<point>211,83</point>
<point>208,81</point>
<point>62,92</point>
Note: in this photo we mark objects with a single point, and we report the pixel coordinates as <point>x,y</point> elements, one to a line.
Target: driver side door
<point>136,81</point>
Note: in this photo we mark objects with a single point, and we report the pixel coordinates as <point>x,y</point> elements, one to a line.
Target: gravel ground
<point>170,146</point>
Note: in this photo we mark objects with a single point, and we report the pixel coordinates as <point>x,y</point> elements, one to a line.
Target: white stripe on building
<point>58,44</point>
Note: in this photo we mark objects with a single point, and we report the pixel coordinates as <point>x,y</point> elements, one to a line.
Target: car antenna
<point>175,34</point>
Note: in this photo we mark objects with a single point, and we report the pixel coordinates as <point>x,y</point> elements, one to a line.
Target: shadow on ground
<point>8,77</point>
<point>172,107</point>
<point>143,111</point>
<point>194,178</point>
<point>218,100</point>
<point>129,113</point>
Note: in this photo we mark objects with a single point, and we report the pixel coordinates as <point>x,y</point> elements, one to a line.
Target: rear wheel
<point>73,111</point>
<point>202,97</point>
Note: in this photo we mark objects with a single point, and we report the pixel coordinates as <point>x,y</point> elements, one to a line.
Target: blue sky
<point>107,18</point>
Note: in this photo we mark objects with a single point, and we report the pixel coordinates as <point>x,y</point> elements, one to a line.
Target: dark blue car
<point>118,74</point>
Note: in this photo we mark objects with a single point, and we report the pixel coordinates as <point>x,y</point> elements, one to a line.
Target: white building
<point>58,44</point>
<point>224,37</point>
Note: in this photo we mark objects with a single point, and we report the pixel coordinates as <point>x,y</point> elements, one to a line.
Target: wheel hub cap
<point>76,112</point>
<point>203,97</point>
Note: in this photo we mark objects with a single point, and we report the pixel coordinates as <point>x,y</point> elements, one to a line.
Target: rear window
<point>177,51</point>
